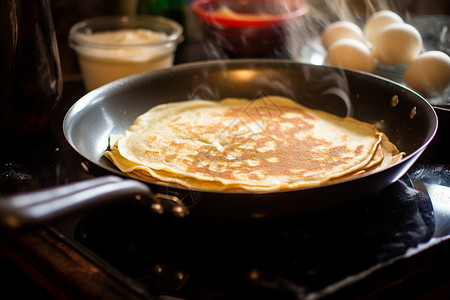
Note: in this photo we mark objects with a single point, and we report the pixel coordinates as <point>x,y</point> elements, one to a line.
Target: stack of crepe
<point>268,144</point>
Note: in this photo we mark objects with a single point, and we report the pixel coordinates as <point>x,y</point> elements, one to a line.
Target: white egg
<point>351,54</point>
<point>397,44</point>
<point>429,73</point>
<point>341,30</point>
<point>376,22</point>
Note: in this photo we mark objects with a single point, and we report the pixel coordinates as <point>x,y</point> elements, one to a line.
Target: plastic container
<point>129,45</point>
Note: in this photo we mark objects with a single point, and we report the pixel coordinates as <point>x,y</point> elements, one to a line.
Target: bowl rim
<point>75,39</point>
<point>209,17</point>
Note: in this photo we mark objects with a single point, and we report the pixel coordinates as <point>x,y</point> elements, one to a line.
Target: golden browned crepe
<point>267,144</point>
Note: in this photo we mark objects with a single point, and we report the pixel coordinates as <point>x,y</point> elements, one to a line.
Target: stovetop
<point>303,258</point>
<point>286,259</point>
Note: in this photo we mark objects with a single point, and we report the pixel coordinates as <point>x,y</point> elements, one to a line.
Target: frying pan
<point>408,120</point>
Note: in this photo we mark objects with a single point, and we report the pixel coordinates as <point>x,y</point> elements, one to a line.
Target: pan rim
<point>103,91</point>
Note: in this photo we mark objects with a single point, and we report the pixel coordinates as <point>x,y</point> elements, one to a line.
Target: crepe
<point>268,144</point>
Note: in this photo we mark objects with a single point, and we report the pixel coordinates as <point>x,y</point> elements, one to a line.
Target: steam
<point>354,11</point>
<point>303,44</point>
<point>304,36</point>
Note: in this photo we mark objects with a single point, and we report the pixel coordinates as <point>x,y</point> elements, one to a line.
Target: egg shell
<point>397,44</point>
<point>376,22</point>
<point>341,30</point>
<point>429,73</point>
<point>351,54</point>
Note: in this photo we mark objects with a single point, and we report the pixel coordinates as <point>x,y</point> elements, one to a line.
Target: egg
<point>397,44</point>
<point>376,22</point>
<point>341,30</point>
<point>429,73</point>
<point>351,54</point>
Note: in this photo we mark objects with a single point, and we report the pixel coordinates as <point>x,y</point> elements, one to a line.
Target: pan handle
<point>26,209</point>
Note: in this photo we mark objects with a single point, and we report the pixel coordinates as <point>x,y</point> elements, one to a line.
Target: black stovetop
<point>303,258</point>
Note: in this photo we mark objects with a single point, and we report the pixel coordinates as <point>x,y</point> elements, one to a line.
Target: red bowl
<point>262,34</point>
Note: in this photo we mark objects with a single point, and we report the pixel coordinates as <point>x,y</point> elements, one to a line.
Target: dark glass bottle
<point>172,9</point>
<point>30,72</point>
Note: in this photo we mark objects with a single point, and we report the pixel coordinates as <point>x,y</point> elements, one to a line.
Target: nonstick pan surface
<point>408,120</point>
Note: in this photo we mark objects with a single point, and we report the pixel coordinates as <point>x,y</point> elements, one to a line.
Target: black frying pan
<point>408,120</point>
